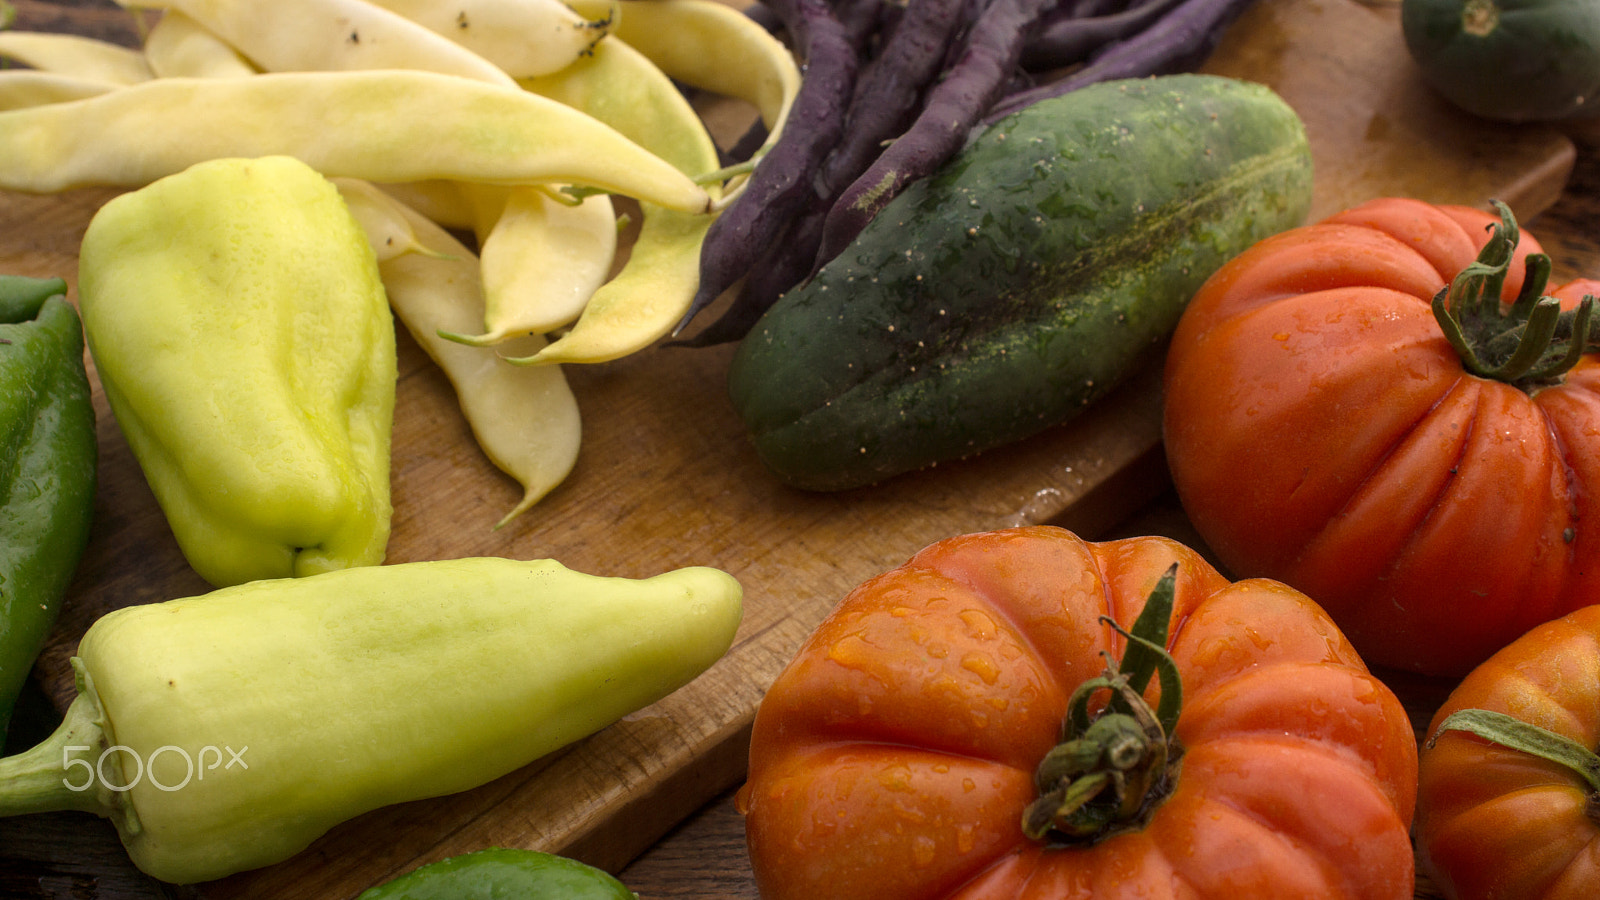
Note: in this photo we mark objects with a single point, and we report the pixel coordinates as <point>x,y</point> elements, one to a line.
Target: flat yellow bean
<point>179,47</point>
<point>22,88</point>
<point>330,35</point>
<point>709,45</point>
<point>525,419</point>
<point>81,57</point>
<point>385,126</point>
<point>712,46</point>
<point>656,285</point>
<point>542,260</point>
<point>388,232</point>
<point>524,38</point>
<point>442,201</point>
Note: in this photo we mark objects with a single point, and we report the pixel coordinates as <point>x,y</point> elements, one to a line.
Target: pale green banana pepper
<point>250,720</point>
<point>236,317</point>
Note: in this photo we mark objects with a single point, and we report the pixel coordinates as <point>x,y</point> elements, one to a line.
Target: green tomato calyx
<point>1113,768</point>
<point>1525,737</point>
<point>1529,343</point>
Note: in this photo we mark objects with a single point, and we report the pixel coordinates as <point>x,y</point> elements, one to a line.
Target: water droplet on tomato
<point>982,666</point>
<point>979,624</point>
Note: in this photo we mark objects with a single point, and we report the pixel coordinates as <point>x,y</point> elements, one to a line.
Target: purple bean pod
<point>786,264</point>
<point>861,20</point>
<point>887,97</point>
<point>781,181</point>
<point>1178,41</point>
<point>1064,42</point>
<point>891,86</point>
<point>954,105</point>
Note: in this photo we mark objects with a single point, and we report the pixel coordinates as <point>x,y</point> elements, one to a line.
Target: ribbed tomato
<point>1498,822</point>
<point>898,754</point>
<point>1323,430</point>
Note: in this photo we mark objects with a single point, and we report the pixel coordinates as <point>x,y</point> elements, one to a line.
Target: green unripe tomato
<point>1512,60</point>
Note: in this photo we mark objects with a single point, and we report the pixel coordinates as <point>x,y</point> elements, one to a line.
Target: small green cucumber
<point>1022,281</point>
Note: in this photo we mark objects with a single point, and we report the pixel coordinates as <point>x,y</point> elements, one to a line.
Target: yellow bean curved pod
<point>179,47</point>
<point>642,303</point>
<point>712,46</point>
<point>542,260</point>
<point>329,35</point>
<point>657,283</point>
<point>22,88</point>
<point>442,201</point>
<point>80,57</point>
<point>386,126</point>
<point>389,233</point>
<point>524,38</point>
<point>709,45</point>
<point>525,419</point>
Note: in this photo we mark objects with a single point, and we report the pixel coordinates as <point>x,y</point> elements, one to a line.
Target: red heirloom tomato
<point>1424,463</point>
<point>955,729</point>
<point>1494,821</point>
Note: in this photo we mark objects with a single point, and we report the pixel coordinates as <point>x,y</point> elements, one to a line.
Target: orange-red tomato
<point>1322,431</point>
<point>895,755</point>
<point>1493,822</point>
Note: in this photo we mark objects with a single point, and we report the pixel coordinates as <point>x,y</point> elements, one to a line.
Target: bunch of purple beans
<point>891,91</point>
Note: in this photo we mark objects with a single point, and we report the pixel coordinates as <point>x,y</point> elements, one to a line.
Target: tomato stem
<point>1532,341</point>
<point>1113,768</point>
<point>1525,737</point>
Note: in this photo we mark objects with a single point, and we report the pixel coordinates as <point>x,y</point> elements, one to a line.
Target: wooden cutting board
<point>667,479</point>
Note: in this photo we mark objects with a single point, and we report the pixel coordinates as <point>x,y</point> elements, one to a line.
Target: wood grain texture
<point>667,478</point>
<point>1376,129</point>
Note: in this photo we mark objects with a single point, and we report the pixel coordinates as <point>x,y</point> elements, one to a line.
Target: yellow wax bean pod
<point>22,88</point>
<point>642,303</point>
<point>80,57</point>
<point>179,47</point>
<point>542,259</point>
<point>330,35</point>
<point>633,310</point>
<point>525,38</point>
<point>389,233</point>
<point>442,201</point>
<point>385,126</point>
<point>709,45</point>
<point>525,419</point>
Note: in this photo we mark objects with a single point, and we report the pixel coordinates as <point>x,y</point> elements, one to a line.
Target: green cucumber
<point>1022,281</point>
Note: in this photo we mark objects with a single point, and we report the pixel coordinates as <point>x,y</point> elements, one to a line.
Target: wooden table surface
<point>72,855</point>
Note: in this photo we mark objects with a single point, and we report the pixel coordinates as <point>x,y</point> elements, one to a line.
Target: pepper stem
<point>1533,341</point>
<point>1525,737</point>
<point>42,778</point>
<point>1114,767</point>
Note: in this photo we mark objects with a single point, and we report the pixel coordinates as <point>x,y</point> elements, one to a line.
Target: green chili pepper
<point>240,329</point>
<point>503,874</point>
<point>228,731</point>
<point>47,468</point>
